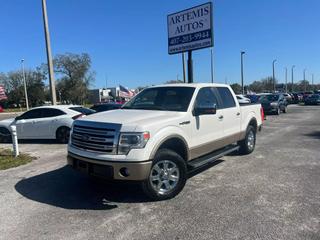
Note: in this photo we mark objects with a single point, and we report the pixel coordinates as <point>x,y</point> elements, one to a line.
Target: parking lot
<point>274,193</point>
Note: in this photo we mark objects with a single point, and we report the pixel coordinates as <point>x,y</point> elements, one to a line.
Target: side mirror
<point>205,110</point>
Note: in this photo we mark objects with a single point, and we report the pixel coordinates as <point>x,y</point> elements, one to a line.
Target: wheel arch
<point>175,143</point>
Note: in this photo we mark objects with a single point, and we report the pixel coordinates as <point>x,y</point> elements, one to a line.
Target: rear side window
<point>226,97</point>
<point>206,98</point>
<point>85,111</point>
<point>51,112</point>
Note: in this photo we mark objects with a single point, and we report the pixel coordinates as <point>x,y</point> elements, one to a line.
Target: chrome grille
<point>97,137</point>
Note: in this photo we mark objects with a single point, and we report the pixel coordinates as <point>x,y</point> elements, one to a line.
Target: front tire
<point>63,134</point>
<point>5,135</point>
<point>167,176</point>
<point>248,144</point>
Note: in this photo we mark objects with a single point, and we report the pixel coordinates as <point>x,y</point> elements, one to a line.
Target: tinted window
<point>85,111</point>
<point>35,113</point>
<point>162,98</point>
<point>51,112</point>
<point>226,97</point>
<point>105,107</point>
<point>206,98</point>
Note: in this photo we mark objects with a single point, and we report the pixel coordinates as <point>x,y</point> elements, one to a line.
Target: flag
<point>124,92</point>
<point>3,95</point>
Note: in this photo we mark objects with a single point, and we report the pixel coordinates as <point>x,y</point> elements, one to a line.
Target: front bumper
<point>133,171</point>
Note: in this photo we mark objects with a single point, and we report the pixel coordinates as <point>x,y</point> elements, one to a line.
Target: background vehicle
<point>313,99</point>
<point>273,103</point>
<point>49,122</point>
<point>105,107</point>
<point>162,133</point>
<point>297,98</point>
<point>288,97</point>
<point>306,94</point>
<point>253,98</point>
<point>242,99</point>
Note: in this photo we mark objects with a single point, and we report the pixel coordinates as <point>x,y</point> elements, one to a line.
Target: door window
<point>206,98</point>
<point>35,113</point>
<point>226,97</point>
<point>51,112</point>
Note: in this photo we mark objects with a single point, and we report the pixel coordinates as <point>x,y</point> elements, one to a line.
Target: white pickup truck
<point>162,133</point>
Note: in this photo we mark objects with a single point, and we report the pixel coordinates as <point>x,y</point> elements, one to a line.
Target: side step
<point>211,157</point>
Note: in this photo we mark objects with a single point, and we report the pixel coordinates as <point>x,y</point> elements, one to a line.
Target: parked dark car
<point>313,99</point>
<point>306,94</point>
<point>102,107</point>
<point>253,98</point>
<point>297,97</point>
<point>273,103</point>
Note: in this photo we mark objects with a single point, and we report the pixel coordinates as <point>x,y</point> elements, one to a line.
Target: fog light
<point>124,172</point>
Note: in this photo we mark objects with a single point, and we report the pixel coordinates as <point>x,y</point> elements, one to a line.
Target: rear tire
<point>5,135</point>
<point>284,110</point>
<point>278,111</point>
<point>248,144</point>
<point>167,176</point>
<point>63,134</point>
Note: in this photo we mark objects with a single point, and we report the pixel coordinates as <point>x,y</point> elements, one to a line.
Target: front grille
<point>97,137</point>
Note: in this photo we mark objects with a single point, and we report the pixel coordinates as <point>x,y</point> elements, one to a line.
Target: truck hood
<point>135,118</point>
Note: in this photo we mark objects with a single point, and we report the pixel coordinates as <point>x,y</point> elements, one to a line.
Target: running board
<point>212,157</point>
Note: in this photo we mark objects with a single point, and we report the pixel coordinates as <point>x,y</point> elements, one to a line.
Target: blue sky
<point>127,40</point>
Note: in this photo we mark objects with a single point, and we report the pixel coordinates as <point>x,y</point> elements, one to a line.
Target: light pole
<point>292,77</point>
<point>24,84</point>
<point>211,51</point>
<point>273,75</point>
<point>49,56</point>
<point>312,81</point>
<point>242,84</point>
<point>304,79</point>
<point>286,77</point>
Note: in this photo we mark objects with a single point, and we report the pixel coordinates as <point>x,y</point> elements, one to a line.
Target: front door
<point>207,130</point>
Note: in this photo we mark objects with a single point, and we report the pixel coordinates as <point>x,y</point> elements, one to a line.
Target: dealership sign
<point>190,29</point>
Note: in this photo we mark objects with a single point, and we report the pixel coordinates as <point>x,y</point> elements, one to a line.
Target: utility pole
<point>24,84</point>
<point>312,81</point>
<point>49,56</point>
<point>211,51</point>
<point>273,75</point>
<point>183,68</point>
<point>292,77</point>
<point>242,84</point>
<point>286,77</point>
<point>304,80</point>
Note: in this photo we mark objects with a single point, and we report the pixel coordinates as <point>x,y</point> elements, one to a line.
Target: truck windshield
<point>162,98</point>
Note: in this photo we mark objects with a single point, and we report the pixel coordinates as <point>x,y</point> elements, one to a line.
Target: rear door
<point>49,121</point>
<point>231,115</point>
<point>207,130</point>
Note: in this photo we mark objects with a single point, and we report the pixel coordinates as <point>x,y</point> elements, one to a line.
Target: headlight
<point>128,141</point>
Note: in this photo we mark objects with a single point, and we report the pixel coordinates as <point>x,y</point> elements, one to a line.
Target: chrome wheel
<point>164,176</point>
<point>251,140</point>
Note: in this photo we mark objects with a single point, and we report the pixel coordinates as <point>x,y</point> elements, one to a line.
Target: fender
<point>165,134</point>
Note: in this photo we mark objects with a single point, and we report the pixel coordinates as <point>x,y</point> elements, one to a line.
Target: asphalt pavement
<point>274,193</point>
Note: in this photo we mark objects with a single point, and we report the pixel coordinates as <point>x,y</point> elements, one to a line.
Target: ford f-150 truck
<point>162,133</point>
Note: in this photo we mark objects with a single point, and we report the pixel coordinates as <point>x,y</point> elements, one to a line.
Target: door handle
<point>221,117</point>
<point>238,114</point>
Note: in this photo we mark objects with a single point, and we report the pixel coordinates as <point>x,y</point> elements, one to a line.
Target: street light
<point>292,77</point>
<point>212,73</point>
<point>24,84</point>
<point>242,85</point>
<point>273,75</point>
<point>286,77</point>
<point>304,79</point>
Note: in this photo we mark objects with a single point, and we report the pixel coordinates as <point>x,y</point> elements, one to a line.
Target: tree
<point>35,87</point>
<point>76,77</point>
<point>236,88</point>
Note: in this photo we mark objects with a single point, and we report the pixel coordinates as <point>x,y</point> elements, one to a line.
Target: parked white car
<point>48,122</point>
<point>242,99</point>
